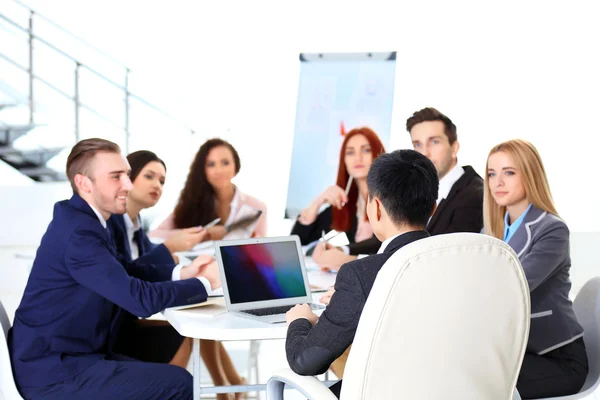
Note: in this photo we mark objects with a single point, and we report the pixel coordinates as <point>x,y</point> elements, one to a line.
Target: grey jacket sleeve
<point>310,349</point>
<point>548,252</point>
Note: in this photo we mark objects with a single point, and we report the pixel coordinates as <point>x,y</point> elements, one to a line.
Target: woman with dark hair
<point>145,340</point>
<point>209,194</point>
<point>347,213</point>
<point>148,174</point>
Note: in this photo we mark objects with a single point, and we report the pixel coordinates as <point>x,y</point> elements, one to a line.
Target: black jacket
<point>311,349</point>
<point>461,211</point>
<point>312,232</point>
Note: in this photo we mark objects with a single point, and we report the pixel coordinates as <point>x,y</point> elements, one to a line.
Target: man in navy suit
<point>64,329</point>
<point>403,188</point>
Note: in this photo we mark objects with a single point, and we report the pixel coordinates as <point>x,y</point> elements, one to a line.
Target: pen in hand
<point>211,223</point>
<point>348,185</point>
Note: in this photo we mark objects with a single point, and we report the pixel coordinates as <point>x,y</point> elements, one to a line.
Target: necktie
<point>137,238</point>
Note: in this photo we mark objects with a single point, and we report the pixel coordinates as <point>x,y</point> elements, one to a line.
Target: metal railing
<point>78,65</point>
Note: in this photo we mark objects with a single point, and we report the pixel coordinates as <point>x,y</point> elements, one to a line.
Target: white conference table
<point>213,322</point>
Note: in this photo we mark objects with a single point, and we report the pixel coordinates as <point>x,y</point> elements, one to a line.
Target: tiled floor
<point>15,263</point>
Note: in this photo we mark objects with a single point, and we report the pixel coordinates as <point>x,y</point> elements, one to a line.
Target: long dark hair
<point>197,202</point>
<point>342,219</point>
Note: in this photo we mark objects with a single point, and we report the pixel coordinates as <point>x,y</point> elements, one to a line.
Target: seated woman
<point>347,213</point>
<point>518,209</point>
<point>209,194</point>
<point>146,340</point>
<point>156,341</point>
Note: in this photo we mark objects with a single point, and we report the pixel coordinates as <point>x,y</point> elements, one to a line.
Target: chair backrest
<point>587,309</point>
<point>8,388</point>
<point>448,317</point>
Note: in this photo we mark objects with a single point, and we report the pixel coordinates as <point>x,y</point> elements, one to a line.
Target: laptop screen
<point>262,271</point>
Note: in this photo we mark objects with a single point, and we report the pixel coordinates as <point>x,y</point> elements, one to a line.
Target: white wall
<point>12,177</point>
<point>524,69</point>
<point>27,211</point>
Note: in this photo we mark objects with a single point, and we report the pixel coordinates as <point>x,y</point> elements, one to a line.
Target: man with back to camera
<point>460,198</point>
<point>403,188</point>
<point>61,340</point>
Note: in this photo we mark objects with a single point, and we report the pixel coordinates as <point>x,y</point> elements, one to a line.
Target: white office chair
<point>587,309</point>
<point>447,318</point>
<point>8,389</point>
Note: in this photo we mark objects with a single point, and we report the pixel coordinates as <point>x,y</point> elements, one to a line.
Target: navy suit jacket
<point>149,253</point>
<point>65,322</point>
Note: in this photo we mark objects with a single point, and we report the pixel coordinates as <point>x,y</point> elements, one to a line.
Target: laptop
<point>263,278</point>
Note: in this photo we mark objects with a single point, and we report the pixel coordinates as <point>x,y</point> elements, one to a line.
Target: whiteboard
<point>353,89</point>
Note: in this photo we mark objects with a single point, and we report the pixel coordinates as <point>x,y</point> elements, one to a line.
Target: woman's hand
<point>326,298</point>
<point>330,258</point>
<point>185,239</point>
<point>336,196</point>
<point>193,270</point>
<point>333,195</point>
<point>216,232</point>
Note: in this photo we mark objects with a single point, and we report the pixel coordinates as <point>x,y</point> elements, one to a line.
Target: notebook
<point>263,278</point>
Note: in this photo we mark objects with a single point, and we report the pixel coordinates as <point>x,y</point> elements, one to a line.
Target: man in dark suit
<point>460,198</point>
<point>64,329</point>
<point>403,188</point>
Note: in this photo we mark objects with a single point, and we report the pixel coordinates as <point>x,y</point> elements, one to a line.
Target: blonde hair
<point>529,165</point>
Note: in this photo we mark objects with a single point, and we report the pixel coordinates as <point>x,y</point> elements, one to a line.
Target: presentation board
<point>337,92</point>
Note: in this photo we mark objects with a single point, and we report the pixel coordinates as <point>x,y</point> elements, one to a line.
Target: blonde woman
<point>518,209</point>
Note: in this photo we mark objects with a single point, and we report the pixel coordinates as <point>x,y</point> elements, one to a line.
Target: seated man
<point>64,329</point>
<point>403,188</point>
<point>460,195</point>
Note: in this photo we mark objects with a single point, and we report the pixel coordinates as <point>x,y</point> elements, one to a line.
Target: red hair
<point>342,219</point>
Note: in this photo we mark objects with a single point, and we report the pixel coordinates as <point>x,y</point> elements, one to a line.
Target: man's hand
<point>331,259</point>
<point>211,272</point>
<point>193,270</point>
<point>185,239</point>
<point>326,298</point>
<point>301,311</point>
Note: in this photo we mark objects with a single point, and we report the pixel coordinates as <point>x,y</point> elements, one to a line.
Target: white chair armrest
<point>309,386</point>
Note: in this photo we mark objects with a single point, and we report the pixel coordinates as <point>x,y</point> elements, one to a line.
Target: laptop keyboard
<point>278,310</point>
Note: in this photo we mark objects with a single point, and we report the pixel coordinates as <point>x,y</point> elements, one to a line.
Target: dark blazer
<point>311,349</point>
<point>64,323</point>
<point>461,211</point>
<point>542,244</point>
<point>312,232</point>
<point>149,253</point>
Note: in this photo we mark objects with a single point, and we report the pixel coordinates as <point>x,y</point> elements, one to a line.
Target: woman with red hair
<point>347,213</point>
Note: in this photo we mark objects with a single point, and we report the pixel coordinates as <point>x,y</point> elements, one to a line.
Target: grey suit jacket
<point>542,244</point>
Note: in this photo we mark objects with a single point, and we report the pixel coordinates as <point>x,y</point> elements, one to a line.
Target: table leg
<point>196,368</point>
<point>198,390</point>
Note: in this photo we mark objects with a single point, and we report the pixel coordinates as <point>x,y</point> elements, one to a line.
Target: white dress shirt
<point>100,217</point>
<point>387,241</point>
<point>448,181</point>
<point>233,207</point>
